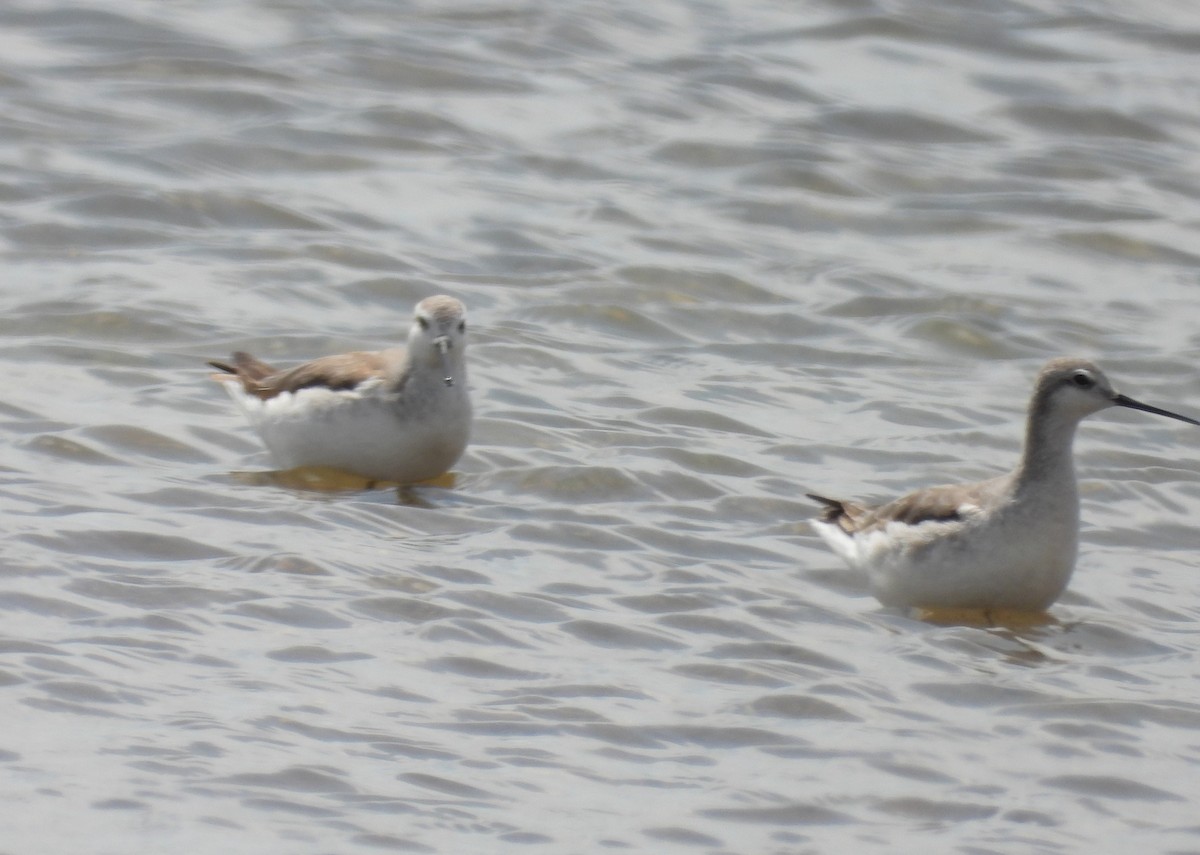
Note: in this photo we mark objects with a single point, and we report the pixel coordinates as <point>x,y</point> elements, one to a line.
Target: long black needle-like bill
<point>1123,401</point>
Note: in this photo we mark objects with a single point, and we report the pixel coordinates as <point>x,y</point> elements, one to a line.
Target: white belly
<point>1016,561</point>
<point>988,568</point>
<point>363,431</point>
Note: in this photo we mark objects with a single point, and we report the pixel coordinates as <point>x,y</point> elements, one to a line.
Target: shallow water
<point>714,255</point>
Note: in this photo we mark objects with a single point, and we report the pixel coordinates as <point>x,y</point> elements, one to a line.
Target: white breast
<point>366,431</point>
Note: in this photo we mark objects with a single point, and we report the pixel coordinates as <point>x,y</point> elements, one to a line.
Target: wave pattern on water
<point>714,255</point>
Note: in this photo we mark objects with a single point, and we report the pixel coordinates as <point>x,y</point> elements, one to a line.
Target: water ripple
<point>715,256</point>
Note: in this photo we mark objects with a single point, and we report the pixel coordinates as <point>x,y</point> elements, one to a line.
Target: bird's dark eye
<point>462,326</point>
<point>1082,379</point>
<point>423,322</point>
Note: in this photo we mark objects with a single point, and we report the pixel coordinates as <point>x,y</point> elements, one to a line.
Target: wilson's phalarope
<point>1008,543</point>
<point>391,415</point>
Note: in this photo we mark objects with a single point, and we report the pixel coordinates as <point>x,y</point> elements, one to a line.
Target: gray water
<point>715,255</point>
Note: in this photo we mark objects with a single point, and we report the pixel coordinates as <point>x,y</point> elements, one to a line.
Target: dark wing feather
<point>936,504</point>
<point>244,365</point>
<point>845,515</point>
<point>344,371</point>
<point>948,503</point>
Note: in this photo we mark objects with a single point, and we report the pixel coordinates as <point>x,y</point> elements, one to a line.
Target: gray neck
<point>1047,455</point>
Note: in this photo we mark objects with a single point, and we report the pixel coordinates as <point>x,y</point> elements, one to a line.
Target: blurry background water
<point>715,253</point>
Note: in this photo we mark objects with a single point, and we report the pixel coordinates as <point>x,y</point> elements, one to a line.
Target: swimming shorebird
<point>1008,543</point>
<point>398,415</point>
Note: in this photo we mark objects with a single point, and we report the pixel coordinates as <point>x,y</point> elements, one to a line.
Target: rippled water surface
<point>714,254</point>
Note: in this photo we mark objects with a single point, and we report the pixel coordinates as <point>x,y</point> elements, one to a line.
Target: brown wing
<point>244,367</point>
<point>934,504</point>
<point>344,371</point>
<point>847,516</point>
